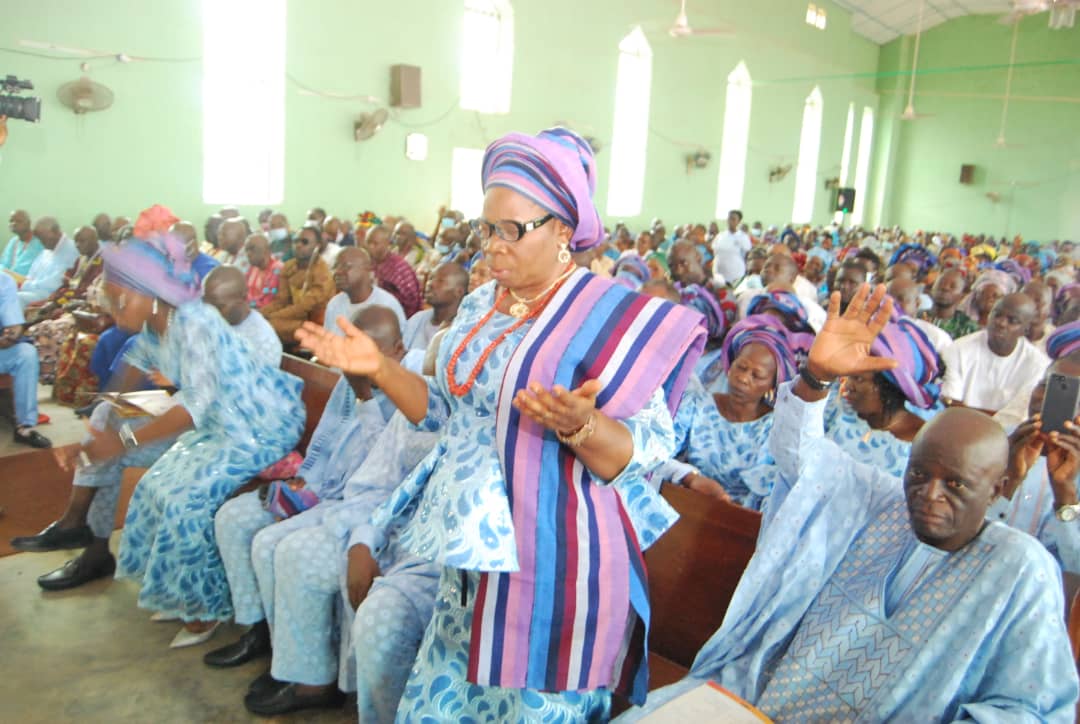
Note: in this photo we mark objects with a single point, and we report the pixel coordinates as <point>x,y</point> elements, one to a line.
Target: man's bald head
<point>1009,320</point>
<point>47,230</point>
<point>780,270</point>
<point>19,223</point>
<point>103,226</point>
<point>956,468</point>
<point>86,240</point>
<point>906,294</point>
<point>231,234</point>
<point>226,289</point>
<point>685,263</point>
<point>257,250</point>
<point>381,324</point>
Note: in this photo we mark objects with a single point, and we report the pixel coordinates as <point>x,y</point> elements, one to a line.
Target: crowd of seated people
<point>872,392</point>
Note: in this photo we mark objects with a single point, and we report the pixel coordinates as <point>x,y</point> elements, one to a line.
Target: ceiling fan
<point>1062,12</point>
<point>1001,143</point>
<point>909,113</point>
<point>681,27</point>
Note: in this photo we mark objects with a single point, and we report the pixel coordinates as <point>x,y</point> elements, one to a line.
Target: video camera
<point>15,106</point>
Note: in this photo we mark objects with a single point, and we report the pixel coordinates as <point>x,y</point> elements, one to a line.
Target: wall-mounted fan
<point>84,95</point>
<point>698,159</point>
<point>778,173</point>
<point>369,124</point>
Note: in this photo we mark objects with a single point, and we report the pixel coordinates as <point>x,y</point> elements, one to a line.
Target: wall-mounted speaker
<point>967,174</point>
<point>845,200</point>
<point>405,86</point>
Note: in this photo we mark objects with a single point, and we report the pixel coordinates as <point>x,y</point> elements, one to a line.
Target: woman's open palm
<point>842,347</point>
<point>355,353</point>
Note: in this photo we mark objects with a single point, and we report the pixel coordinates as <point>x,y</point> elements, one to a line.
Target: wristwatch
<point>811,380</point>
<point>1068,513</point>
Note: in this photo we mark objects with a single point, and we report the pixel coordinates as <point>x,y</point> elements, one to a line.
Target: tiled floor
<point>90,655</point>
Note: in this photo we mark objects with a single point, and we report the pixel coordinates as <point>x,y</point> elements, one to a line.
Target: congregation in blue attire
<point>467,529</point>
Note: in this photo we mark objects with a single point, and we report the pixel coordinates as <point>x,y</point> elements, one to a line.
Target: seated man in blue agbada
<point>19,359</point>
<point>872,600</point>
<point>47,272</point>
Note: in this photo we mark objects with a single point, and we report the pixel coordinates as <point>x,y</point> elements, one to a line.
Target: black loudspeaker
<point>405,86</point>
<point>845,200</point>
<point>967,173</point>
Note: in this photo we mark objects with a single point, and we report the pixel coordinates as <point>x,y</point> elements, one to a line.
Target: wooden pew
<point>693,571</point>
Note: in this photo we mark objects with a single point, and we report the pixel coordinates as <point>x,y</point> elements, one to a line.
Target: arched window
<point>630,130</point>
<point>845,158</point>
<point>809,150</point>
<point>487,56</point>
<point>734,141</point>
<point>466,190</point>
<point>243,155</point>
<point>862,164</point>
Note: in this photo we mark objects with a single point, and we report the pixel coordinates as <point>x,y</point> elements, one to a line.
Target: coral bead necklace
<point>462,389</point>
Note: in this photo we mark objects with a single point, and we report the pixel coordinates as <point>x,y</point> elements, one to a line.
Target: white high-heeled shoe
<point>186,638</point>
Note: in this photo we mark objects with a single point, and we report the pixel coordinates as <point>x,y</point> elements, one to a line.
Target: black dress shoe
<point>263,684</point>
<point>283,699</point>
<point>54,539</point>
<point>77,572</point>
<point>33,438</point>
<point>254,644</point>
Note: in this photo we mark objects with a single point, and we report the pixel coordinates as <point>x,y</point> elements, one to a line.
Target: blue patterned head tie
<point>769,332</point>
<point>785,303</point>
<point>919,370</point>
<point>1020,274</point>
<point>1064,341</point>
<point>915,254</point>
<point>556,170</point>
<point>717,319</point>
<point>631,271</point>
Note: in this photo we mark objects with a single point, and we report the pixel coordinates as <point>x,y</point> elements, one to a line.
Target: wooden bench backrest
<point>319,383</point>
<point>694,569</point>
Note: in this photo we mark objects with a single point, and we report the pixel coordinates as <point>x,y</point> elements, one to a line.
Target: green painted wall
<point>1038,179</point>
<point>147,147</point>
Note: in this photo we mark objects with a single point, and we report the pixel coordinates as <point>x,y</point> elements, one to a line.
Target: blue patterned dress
<point>734,454</point>
<point>247,415</point>
<point>453,509</point>
<point>879,448</point>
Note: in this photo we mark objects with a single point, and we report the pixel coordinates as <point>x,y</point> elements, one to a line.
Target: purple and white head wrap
<point>919,370</point>
<point>769,332</point>
<point>156,266</point>
<point>1064,341</point>
<point>556,170</point>
<point>787,304</point>
<point>631,271</point>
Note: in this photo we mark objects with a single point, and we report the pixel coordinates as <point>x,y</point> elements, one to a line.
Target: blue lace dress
<point>247,415</point>
<point>453,509</point>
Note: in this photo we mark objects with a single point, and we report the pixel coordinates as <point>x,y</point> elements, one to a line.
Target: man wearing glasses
<point>306,286</point>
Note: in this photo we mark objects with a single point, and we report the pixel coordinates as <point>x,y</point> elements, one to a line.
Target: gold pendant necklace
<point>520,307</point>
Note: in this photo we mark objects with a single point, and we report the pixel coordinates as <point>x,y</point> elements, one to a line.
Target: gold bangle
<point>582,434</point>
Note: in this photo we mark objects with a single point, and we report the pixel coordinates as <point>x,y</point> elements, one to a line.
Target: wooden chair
<point>693,571</point>
<point>7,401</point>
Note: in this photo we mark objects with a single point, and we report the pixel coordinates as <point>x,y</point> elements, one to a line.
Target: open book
<point>709,702</point>
<point>148,403</point>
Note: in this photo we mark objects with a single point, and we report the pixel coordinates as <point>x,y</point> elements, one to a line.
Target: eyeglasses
<point>507,229</point>
<point>304,242</point>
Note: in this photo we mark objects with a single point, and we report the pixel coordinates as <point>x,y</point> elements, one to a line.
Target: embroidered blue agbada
<point>842,615</point>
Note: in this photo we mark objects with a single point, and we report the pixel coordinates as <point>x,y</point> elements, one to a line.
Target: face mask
<point>265,226</point>
<point>339,237</point>
<point>278,234</point>
<point>442,248</point>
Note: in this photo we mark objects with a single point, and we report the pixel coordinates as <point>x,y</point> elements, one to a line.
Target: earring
<point>564,255</point>
<point>153,307</point>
